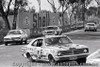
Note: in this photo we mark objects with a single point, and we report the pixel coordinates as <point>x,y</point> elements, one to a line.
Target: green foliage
<point>91,10</point>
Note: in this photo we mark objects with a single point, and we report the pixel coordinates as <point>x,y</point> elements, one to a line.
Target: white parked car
<point>94,58</point>
<point>52,30</point>
<point>55,48</point>
<point>90,27</point>
<point>15,36</point>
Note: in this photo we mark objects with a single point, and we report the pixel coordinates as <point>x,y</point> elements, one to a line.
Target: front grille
<point>78,51</point>
<point>50,32</point>
<point>15,38</point>
<point>6,39</point>
<point>66,52</point>
<point>74,51</point>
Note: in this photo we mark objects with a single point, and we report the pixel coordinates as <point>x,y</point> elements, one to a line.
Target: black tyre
<point>51,60</point>
<point>96,30</point>
<point>26,41</point>
<point>81,61</point>
<point>85,30</point>
<point>21,42</point>
<point>6,43</point>
<point>29,57</point>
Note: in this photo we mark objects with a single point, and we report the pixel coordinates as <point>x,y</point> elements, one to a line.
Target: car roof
<point>90,23</point>
<point>49,36</point>
<point>15,30</point>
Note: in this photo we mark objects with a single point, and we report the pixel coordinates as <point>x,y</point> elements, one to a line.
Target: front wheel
<point>51,60</point>
<point>21,42</point>
<point>81,61</point>
<point>29,57</point>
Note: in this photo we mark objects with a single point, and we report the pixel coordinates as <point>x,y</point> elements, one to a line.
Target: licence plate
<point>73,58</point>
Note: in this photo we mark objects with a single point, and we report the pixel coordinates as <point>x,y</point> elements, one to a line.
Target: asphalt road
<point>11,55</point>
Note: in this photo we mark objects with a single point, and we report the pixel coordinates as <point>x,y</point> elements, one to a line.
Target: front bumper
<point>71,57</point>
<point>91,28</point>
<point>12,41</point>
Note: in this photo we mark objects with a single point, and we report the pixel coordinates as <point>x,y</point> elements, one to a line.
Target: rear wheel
<point>95,29</point>
<point>6,43</point>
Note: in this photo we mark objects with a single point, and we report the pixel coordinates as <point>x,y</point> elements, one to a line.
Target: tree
<point>4,13</point>
<point>17,5</point>
<point>52,3</point>
<point>5,9</point>
<point>39,3</point>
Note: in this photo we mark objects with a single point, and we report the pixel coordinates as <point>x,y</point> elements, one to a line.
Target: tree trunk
<point>5,17</point>
<point>70,21</point>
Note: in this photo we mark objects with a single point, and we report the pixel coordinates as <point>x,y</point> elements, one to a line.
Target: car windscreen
<point>50,28</point>
<point>14,32</point>
<point>91,24</point>
<point>58,41</point>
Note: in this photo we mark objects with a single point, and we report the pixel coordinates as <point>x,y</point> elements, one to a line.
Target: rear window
<point>50,28</point>
<point>14,32</point>
<point>91,24</point>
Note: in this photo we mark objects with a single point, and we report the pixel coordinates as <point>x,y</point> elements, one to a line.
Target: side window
<point>34,43</point>
<point>39,42</point>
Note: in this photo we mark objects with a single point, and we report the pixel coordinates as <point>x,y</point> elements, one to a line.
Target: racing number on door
<point>39,48</point>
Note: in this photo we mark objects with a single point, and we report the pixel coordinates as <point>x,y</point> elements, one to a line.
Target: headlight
<point>85,50</point>
<point>59,53</point>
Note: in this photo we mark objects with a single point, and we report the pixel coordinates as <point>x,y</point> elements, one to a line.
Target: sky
<point>44,5</point>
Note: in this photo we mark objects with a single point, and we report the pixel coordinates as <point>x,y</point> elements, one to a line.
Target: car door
<point>39,49</point>
<point>32,49</point>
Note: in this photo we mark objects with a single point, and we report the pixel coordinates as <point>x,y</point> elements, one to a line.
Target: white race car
<point>15,36</point>
<point>52,30</point>
<point>55,48</point>
<point>90,27</point>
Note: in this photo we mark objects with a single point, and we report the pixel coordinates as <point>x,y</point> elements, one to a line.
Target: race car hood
<point>11,36</point>
<point>67,47</point>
